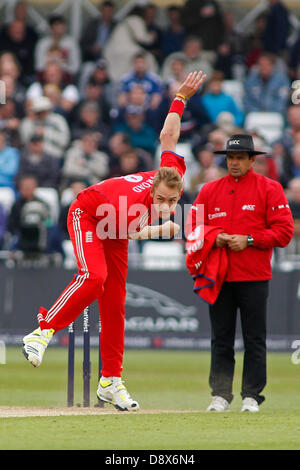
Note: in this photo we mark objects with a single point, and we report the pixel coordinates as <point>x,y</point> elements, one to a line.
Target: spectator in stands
<point>29,219</point>
<point>126,40</point>
<point>193,56</point>
<point>224,60</point>
<point>53,74</point>
<point>129,162</point>
<point>10,73</point>
<point>282,148</point>
<point>140,133</point>
<point>177,70</point>
<point>21,14</point>
<point>53,92</point>
<point>294,60</point>
<point>9,163</point>
<point>194,116</point>
<point>216,138</point>
<point>94,92</point>
<point>291,168</point>
<point>84,161</point>
<point>150,18</point>
<point>140,75</point>
<point>75,188</point>
<point>56,54</point>
<point>10,123</point>
<point>254,41</point>
<point>97,32</point>
<point>279,157</point>
<point>211,174</point>
<point>51,126</point>
<point>266,89</point>
<point>290,133</point>
<point>15,38</point>
<point>225,122</point>
<point>118,144</point>
<point>293,194</point>
<point>99,74</point>
<point>172,38</point>
<point>203,19</point>
<point>9,65</point>
<point>215,101</point>
<point>277,27</point>
<point>14,92</point>
<point>89,118</point>
<point>231,52</point>
<point>264,165</point>
<point>36,162</point>
<point>137,96</point>
<point>293,126</point>
<point>58,38</point>
<point>206,160</point>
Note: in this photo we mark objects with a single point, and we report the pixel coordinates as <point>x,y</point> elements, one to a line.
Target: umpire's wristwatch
<point>250,240</point>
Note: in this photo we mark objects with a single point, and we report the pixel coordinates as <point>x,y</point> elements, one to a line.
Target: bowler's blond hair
<point>170,176</point>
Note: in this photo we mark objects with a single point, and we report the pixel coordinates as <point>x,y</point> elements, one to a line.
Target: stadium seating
<point>235,89</point>
<point>50,197</point>
<point>7,198</point>
<point>70,260</point>
<point>268,125</point>
<point>67,197</point>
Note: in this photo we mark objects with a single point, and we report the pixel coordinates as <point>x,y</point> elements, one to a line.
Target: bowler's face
<point>239,163</point>
<point>165,199</point>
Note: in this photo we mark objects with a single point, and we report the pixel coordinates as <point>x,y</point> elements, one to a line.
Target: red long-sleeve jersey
<point>125,203</point>
<point>249,205</point>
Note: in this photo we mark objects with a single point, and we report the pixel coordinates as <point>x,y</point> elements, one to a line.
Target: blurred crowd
<point>77,112</point>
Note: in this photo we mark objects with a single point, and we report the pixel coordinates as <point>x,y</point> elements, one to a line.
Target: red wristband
<point>177,106</point>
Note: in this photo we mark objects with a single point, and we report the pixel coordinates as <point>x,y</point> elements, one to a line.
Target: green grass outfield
<point>161,381</point>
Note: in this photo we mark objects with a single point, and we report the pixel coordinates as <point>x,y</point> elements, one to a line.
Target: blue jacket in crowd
<point>271,96</point>
<point>9,164</point>
<point>216,104</point>
<point>149,81</point>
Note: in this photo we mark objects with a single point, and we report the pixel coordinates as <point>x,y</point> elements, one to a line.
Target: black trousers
<point>251,299</point>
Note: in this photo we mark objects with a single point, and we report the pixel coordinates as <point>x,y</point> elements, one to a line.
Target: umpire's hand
<point>238,242</point>
<point>222,240</point>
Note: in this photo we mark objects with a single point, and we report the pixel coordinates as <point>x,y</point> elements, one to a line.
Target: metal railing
<point>284,259</point>
<point>78,9</point>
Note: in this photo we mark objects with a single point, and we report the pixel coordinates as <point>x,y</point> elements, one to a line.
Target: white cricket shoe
<point>35,344</point>
<point>112,390</point>
<point>218,404</point>
<point>250,404</point>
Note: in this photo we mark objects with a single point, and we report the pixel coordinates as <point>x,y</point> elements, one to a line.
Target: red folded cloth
<point>206,263</point>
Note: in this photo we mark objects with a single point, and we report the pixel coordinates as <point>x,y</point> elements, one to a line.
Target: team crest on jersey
<point>88,237</point>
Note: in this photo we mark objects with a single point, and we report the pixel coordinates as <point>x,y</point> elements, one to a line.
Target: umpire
<point>255,217</point>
